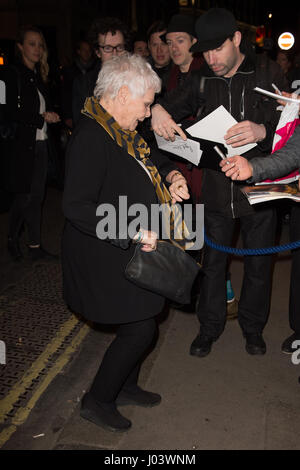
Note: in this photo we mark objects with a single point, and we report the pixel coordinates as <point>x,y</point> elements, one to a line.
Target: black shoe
<point>138,397</point>
<point>287,345</point>
<point>255,344</point>
<point>104,415</point>
<point>201,346</point>
<point>14,249</point>
<point>39,254</point>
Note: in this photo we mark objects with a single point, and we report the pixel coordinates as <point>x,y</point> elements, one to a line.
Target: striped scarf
<point>135,146</point>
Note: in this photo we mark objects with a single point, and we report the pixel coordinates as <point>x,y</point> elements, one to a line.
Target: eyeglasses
<point>108,49</point>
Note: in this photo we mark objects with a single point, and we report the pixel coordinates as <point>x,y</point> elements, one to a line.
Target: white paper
<point>187,149</point>
<point>214,127</point>
<point>2,92</point>
<point>274,95</point>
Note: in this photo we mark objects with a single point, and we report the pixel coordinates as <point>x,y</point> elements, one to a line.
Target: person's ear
<point>123,95</point>
<point>237,38</point>
<point>98,53</point>
<point>194,40</point>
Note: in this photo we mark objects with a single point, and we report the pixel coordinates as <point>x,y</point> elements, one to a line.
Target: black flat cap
<point>213,28</point>
<point>180,24</point>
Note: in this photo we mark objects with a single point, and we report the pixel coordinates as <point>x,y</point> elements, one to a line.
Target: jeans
<point>257,231</point>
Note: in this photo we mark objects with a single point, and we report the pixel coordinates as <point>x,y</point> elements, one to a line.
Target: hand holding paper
<point>245,132</point>
<point>216,125</point>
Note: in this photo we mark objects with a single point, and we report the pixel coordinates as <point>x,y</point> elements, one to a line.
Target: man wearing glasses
<point>109,37</point>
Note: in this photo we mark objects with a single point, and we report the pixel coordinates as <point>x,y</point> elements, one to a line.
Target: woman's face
<point>32,48</point>
<point>136,109</point>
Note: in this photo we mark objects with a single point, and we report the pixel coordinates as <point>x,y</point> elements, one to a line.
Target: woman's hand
<point>51,117</point>
<point>147,238</point>
<point>237,168</point>
<point>178,189</point>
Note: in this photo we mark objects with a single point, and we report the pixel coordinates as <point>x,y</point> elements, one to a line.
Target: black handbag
<point>168,271</point>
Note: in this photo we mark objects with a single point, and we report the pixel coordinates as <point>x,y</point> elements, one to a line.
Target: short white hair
<point>130,70</point>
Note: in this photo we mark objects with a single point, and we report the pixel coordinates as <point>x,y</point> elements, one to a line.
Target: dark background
<point>65,21</point>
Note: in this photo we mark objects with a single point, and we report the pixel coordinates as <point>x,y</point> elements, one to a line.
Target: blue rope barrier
<point>252,251</point>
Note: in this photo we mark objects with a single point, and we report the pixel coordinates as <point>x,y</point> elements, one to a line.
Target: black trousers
<point>257,231</point>
<point>294,303</point>
<point>122,360</point>
<point>27,207</point>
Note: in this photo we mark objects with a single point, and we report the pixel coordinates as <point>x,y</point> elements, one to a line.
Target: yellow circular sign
<point>286,41</point>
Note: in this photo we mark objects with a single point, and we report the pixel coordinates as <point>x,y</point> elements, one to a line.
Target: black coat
<point>19,154</point>
<point>98,171</point>
<point>68,76</point>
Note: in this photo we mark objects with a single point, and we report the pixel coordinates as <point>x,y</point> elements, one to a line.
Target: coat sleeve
<point>21,115</point>
<point>86,170</point>
<point>280,163</point>
<point>271,114</point>
<point>185,100</point>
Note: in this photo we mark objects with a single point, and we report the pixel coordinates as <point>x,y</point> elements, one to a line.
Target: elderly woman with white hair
<point>107,160</point>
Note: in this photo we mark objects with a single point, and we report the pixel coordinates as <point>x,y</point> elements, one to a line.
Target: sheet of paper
<point>214,126</point>
<point>189,149</point>
<point>274,95</point>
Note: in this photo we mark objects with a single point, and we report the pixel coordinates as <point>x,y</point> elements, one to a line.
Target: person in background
<point>160,58</point>
<point>107,159</point>
<point>140,46</point>
<point>160,61</point>
<point>26,156</point>
<point>180,37</point>
<point>83,63</point>
<point>285,60</point>
<point>109,37</point>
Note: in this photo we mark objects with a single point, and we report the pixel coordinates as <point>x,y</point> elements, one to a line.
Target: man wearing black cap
<point>228,78</point>
<point>180,37</point>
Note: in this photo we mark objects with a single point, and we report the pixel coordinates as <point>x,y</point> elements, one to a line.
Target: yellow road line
<point>22,414</point>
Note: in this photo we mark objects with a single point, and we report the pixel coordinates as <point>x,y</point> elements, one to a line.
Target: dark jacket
<point>19,154</point>
<point>98,171</point>
<point>203,92</point>
<point>83,87</point>
<point>68,75</point>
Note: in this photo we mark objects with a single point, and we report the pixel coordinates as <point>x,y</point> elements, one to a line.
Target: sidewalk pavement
<point>228,400</point>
